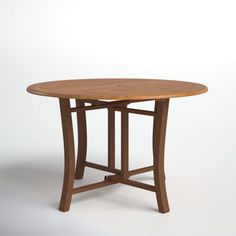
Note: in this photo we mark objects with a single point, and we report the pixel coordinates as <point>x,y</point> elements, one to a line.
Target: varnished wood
<point>111,103</point>
<point>115,95</point>
<point>111,139</point>
<point>135,111</point>
<point>117,89</point>
<point>101,167</point>
<point>112,106</point>
<point>99,105</point>
<point>140,170</point>
<point>89,187</point>
<point>117,171</point>
<point>138,184</point>
<point>159,133</point>
<point>69,155</point>
<point>124,144</point>
<point>119,179</point>
<point>82,141</point>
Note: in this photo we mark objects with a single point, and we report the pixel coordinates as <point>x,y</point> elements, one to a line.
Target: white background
<point>167,39</point>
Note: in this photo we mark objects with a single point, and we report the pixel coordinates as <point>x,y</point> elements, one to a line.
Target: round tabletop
<point>117,89</point>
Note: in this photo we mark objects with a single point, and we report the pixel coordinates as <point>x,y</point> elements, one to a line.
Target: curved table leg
<point>69,155</point>
<point>82,141</point>
<point>159,133</point>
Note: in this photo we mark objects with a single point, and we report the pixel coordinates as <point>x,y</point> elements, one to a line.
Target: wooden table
<point>114,95</point>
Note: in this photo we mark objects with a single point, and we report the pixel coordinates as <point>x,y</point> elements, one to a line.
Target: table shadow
<point>39,179</point>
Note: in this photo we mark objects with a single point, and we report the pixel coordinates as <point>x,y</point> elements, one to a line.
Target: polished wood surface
<point>111,138</point>
<point>82,141</point>
<point>117,89</point>
<point>120,93</point>
<point>124,144</point>
<point>159,136</point>
<point>69,155</point>
<point>123,174</point>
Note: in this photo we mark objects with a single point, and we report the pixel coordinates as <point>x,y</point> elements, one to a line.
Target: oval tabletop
<point>117,89</point>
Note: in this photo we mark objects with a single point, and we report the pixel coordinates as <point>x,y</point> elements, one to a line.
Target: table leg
<point>82,141</point>
<point>124,144</point>
<point>69,154</point>
<point>111,138</point>
<point>122,176</point>
<point>159,133</point>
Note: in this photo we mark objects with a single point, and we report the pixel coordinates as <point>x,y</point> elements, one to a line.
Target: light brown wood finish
<point>122,92</point>
<point>69,155</point>
<point>159,133</point>
<point>82,140</point>
<point>117,89</point>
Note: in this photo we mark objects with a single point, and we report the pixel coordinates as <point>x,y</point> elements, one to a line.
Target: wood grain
<point>82,141</point>
<point>124,144</point>
<point>117,89</point>
<point>159,134</point>
<point>111,138</point>
<point>69,155</point>
<point>119,92</point>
